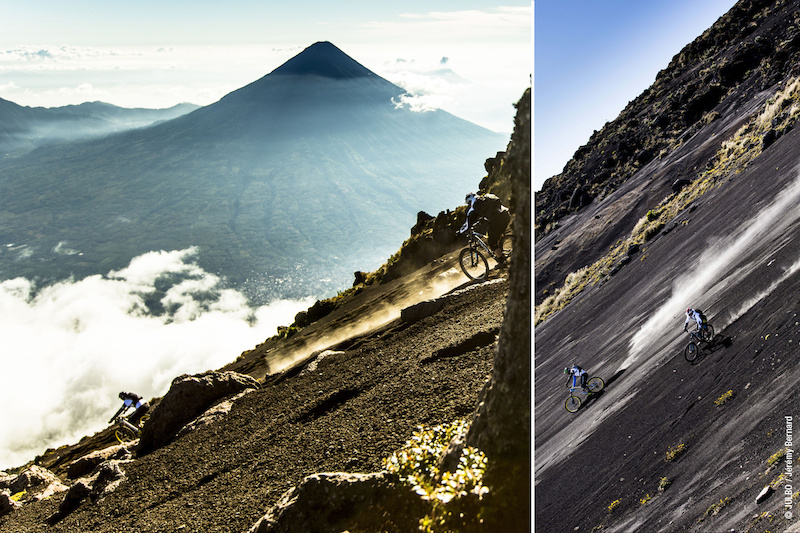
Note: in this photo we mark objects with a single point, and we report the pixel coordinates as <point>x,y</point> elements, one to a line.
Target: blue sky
<point>470,57</point>
<point>593,57</point>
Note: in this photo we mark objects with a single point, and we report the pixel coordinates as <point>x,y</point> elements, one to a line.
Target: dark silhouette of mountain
<point>326,60</point>
<point>24,128</point>
<point>288,184</point>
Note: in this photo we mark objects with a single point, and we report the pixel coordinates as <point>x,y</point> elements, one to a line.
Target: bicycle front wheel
<point>124,435</point>
<point>573,404</point>
<point>474,264</point>
<point>690,353</point>
<point>595,385</point>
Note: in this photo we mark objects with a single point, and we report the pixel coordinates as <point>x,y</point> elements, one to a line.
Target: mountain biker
<point>129,400</point>
<point>576,372</point>
<point>490,207</point>
<point>697,316</point>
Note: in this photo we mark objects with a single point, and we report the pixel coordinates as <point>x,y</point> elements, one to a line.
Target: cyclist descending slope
<point>129,400</point>
<point>577,373</point>
<point>697,316</point>
<point>490,207</point>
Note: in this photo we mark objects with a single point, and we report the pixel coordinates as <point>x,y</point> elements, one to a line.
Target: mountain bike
<point>703,335</point>
<point>473,258</point>
<point>593,386</point>
<point>127,432</point>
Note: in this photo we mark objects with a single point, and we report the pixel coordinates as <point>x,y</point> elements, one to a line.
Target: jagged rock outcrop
<point>336,502</point>
<point>36,481</point>
<point>32,484</point>
<point>212,415</point>
<point>187,398</point>
<point>86,464</point>
<point>747,50</point>
<point>502,426</point>
<point>79,491</point>
<point>104,480</point>
<point>7,505</point>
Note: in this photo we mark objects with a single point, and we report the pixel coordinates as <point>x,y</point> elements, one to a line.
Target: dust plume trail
<point>369,317</point>
<point>694,287</point>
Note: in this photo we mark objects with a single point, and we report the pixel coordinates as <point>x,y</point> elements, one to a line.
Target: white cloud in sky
<point>498,23</point>
<point>69,348</point>
<point>491,48</point>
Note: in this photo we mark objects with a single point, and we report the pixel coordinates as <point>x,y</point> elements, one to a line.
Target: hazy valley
<point>285,186</point>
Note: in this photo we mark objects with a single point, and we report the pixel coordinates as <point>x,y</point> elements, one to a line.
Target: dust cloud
<point>724,262</point>
<point>372,315</point>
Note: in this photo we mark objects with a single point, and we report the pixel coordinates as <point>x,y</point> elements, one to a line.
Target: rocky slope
<point>669,445</point>
<point>733,64</point>
<point>340,395</point>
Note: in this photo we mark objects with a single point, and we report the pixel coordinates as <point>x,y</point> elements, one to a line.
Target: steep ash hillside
<point>671,445</point>
<point>736,63</point>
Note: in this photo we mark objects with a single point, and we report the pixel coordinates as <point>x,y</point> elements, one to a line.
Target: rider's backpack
<point>487,204</point>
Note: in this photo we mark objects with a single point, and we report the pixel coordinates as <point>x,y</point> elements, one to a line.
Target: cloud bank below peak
<point>70,347</point>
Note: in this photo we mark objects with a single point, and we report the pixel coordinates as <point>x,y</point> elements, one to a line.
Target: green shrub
<point>724,398</point>
<point>777,456</point>
<point>675,451</point>
<point>715,508</point>
<point>454,496</point>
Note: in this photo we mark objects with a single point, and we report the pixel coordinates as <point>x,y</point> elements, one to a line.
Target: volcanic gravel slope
<point>661,449</point>
<point>345,413</point>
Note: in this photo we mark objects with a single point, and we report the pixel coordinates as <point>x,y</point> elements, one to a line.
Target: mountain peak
<point>323,59</point>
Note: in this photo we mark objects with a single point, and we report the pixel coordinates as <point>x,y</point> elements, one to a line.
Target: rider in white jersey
<point>576,373</point>
<point>697,316</point>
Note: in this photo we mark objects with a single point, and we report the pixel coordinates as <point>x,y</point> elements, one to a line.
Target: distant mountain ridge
<point>293,181</point>
<point>24,128</point>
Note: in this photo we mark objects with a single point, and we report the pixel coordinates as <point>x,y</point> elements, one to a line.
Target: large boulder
<point>7,505</point>
<point>104,480</point>
<point>32,480</point>
<point>187,398</point>
<point>337,502</point>
<point>86,464</point>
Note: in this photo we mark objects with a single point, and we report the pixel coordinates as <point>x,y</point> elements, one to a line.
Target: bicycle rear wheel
<point>690,353</point>
<point>124,435</point>
<point>708,333</point>
<point>474,264</point>
<point>573,404</point>
<point>595,385</point>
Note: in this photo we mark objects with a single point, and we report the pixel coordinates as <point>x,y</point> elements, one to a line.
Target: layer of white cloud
<point>69,348</point>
